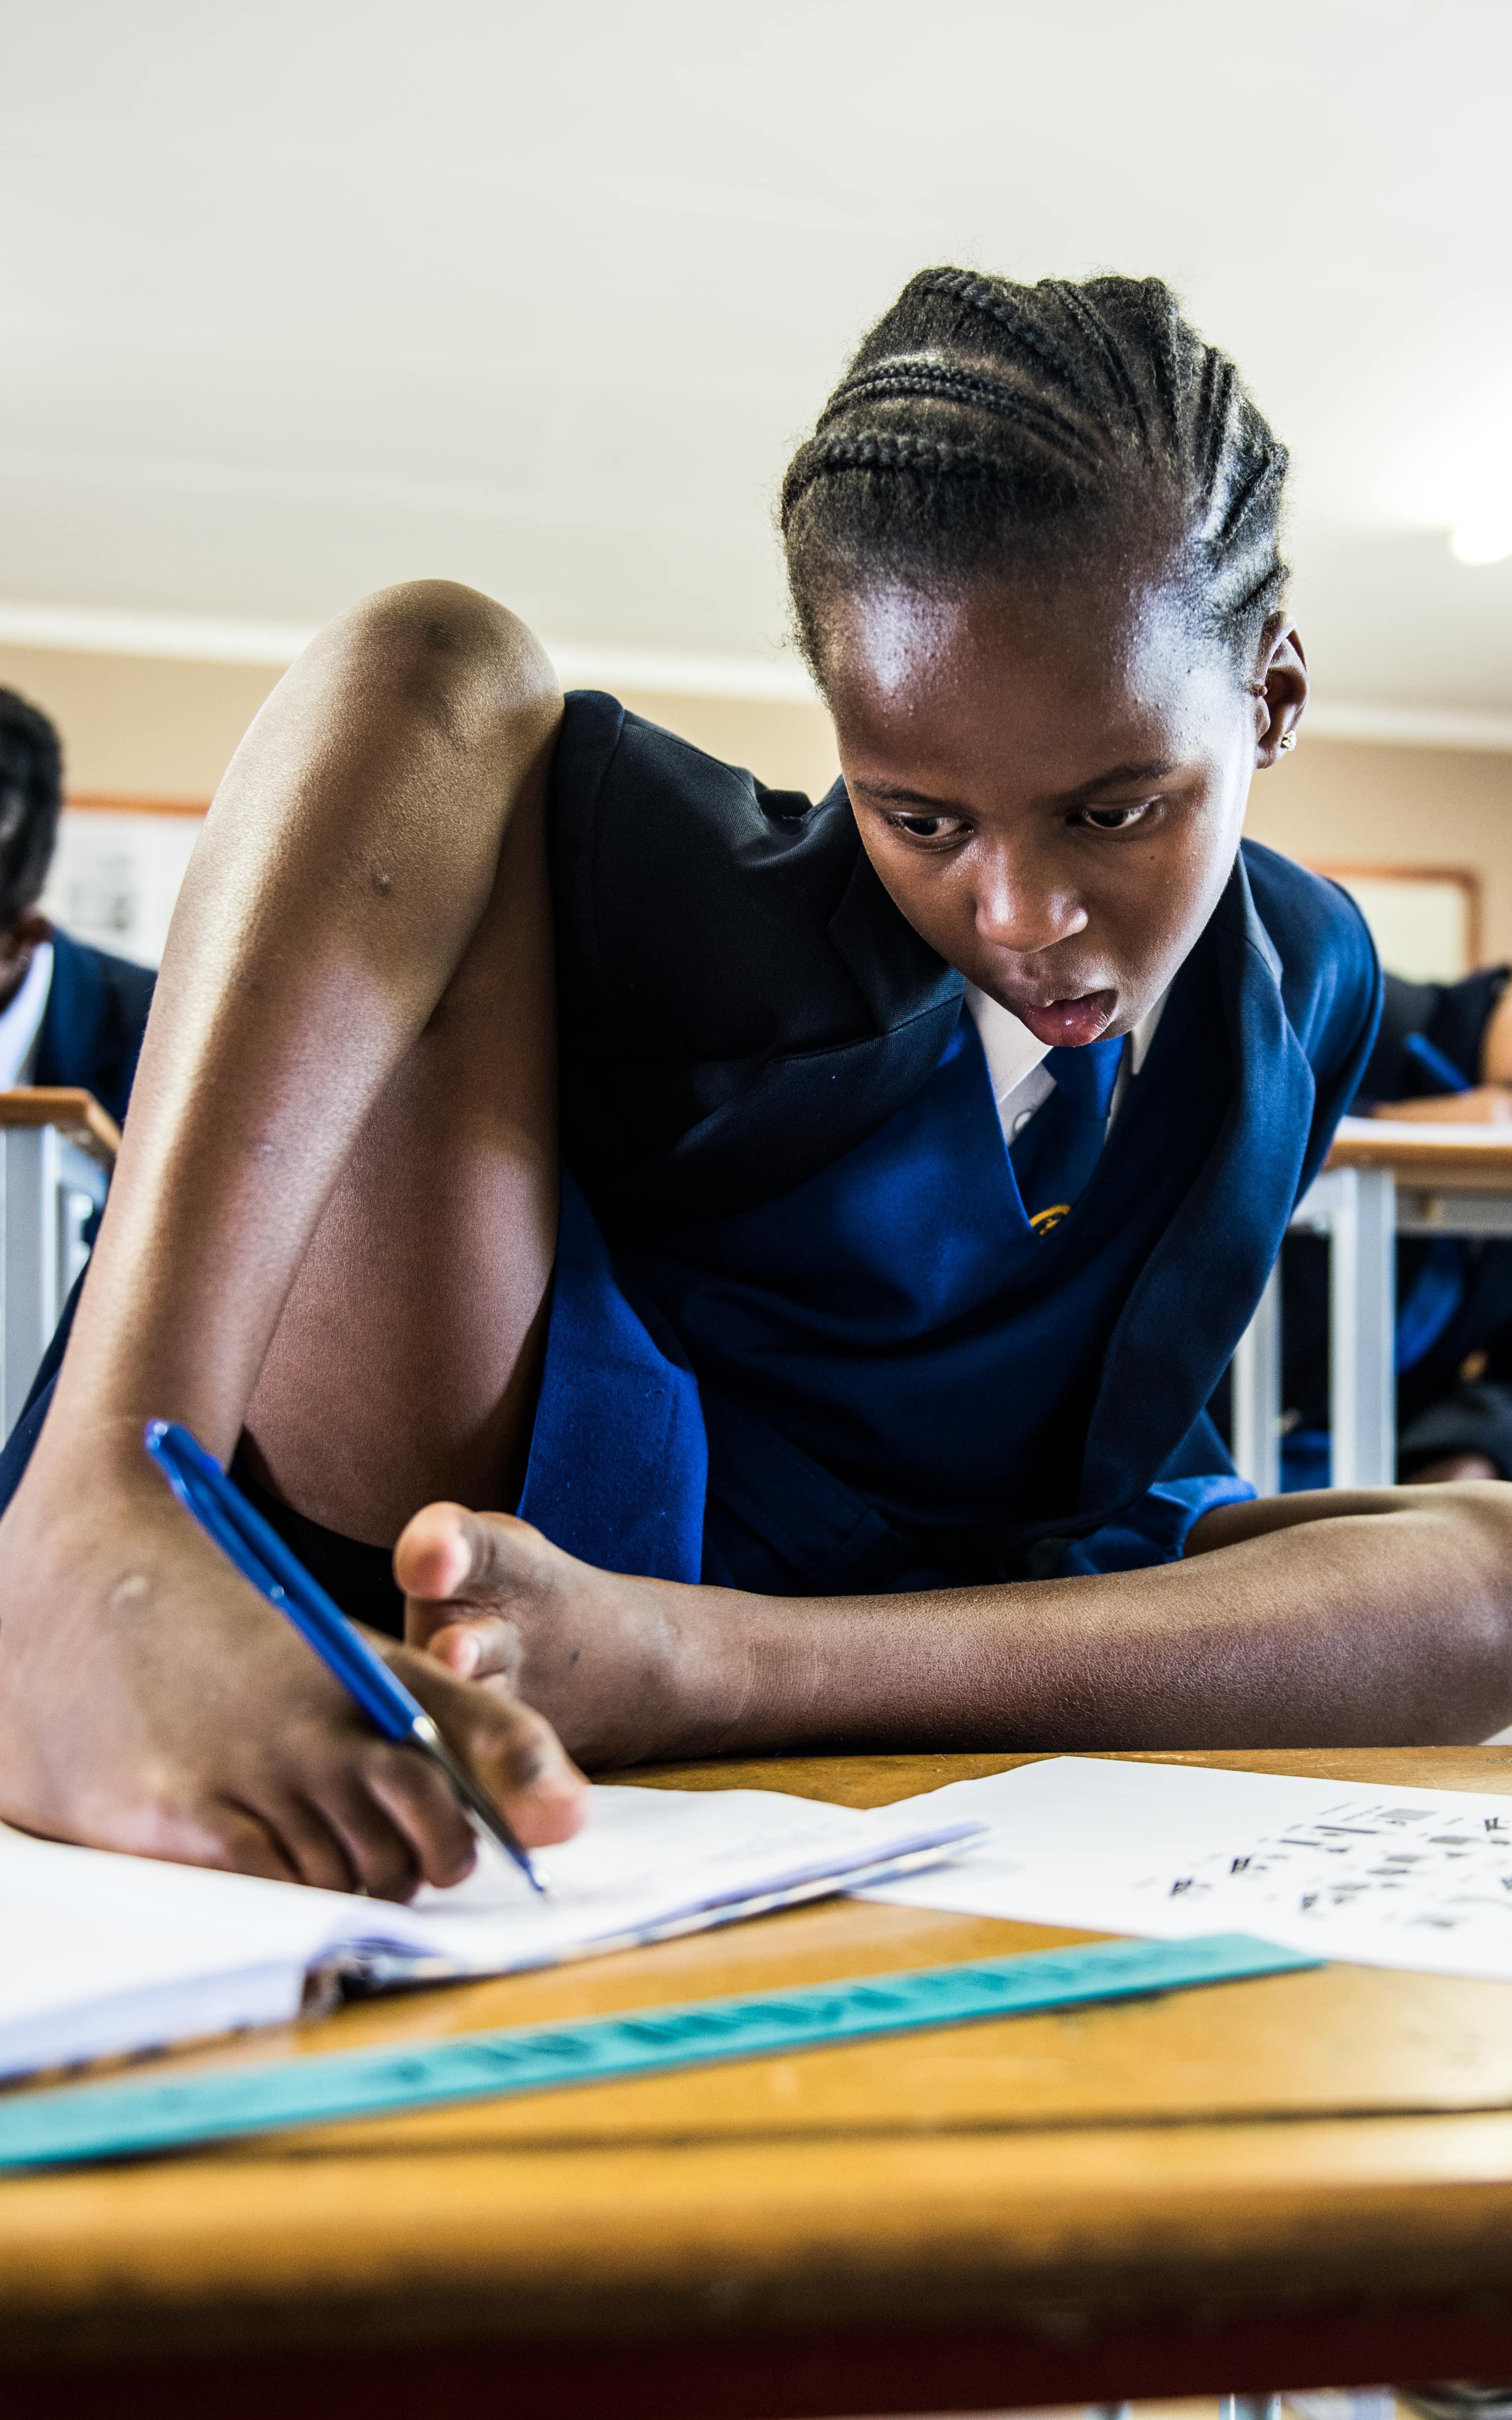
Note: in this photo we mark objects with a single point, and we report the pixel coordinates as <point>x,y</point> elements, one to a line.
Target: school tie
<point>1058,1149</point>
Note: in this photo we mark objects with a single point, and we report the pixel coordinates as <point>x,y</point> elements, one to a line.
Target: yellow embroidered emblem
<point>1043,1220</point>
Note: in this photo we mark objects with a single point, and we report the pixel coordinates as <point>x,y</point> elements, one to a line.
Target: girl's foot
<point>625,1669</point>
<point>151,1700</point>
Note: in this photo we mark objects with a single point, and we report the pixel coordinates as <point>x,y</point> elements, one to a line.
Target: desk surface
<point>76,1113</point>
<point>1476,1157</point>
<point>1275,2178</point>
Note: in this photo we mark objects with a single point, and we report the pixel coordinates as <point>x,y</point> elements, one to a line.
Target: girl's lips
<point>1069,1023</point>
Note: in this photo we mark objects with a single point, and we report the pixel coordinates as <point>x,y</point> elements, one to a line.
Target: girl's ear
<point>1279,690</point>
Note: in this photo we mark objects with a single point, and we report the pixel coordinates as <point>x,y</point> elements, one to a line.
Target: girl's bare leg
<point>332,1221</point>
<point>404,1366</point>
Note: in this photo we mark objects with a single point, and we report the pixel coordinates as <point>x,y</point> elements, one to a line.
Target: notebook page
<point>101,1953</point>
<point>650,1858</point>
<point>104,1953</point>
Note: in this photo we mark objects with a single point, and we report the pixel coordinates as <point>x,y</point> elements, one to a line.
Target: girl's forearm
<point>1391,1622</point>
<point>1263,1515</point>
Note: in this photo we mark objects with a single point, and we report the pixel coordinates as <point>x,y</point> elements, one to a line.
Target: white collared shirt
<point>1019,1081</point>
<point>21,1022</point>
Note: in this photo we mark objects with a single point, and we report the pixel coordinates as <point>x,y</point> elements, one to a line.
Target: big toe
<point>433,1557</point>
<point>449,1554</point>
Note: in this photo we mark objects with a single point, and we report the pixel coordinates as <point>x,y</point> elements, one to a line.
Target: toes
<point>419,1811</point>
<point>312,1844</point>
<point>483,1648</point>
<point>527,1771</point>
<point>390,1842</point>
<point>433,1557</point>
<point>514,1751</point>
<point>447,1552</point>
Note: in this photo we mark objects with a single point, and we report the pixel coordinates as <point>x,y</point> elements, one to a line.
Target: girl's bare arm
<point>1373,1618</point>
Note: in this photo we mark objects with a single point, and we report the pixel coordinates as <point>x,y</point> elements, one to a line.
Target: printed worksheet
<point>1372,1874</point>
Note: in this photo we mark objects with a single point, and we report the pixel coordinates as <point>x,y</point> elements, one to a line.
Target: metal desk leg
<point>1256,1382</point>
<point>1362,1327</point>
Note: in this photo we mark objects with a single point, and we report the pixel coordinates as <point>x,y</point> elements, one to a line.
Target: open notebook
<point>106,1954</point>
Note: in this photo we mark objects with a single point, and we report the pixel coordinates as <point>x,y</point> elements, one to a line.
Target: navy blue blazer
<point>92,1027</point>
<point>744,1009</point>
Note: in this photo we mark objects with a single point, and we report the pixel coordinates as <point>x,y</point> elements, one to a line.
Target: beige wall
<point>1353,803</point>
<point>148,727</point>
<point>145,726</point>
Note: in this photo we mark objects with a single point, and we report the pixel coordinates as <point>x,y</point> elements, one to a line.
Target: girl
<point>922,1155</point>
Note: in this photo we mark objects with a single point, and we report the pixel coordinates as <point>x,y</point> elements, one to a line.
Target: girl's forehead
<point>1113,670</point>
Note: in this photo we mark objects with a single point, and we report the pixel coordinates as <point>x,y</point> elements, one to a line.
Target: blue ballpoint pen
<point>1435,1063</point>
<point>261,1557</point>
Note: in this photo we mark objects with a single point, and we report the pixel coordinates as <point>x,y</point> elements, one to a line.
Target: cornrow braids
<point>31,795</point>
<point>947,384</point>
<point>989,428</point>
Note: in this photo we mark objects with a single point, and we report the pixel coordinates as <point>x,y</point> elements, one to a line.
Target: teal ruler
<point>108,2121</point>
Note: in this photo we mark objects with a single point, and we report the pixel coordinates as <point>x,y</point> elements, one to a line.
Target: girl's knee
<point>458,655</point>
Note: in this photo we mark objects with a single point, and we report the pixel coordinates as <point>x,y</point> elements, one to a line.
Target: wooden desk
<point>1300,2182</point>
<point>1382,1178</point>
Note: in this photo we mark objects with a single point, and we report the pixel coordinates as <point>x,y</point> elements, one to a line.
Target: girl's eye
<point>1112,818</point>
<point>927,826</point>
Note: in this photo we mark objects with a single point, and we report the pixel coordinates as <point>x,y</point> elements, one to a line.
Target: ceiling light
<point>1483,537</point>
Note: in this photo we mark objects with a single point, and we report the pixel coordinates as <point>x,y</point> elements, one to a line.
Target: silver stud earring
<point>1286,743</point>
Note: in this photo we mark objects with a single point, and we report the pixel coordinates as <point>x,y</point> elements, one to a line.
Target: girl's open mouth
<point>1070,1022</point>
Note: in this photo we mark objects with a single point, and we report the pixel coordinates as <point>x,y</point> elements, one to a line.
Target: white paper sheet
<point>1374,1875</point>
<point>102,1954</point>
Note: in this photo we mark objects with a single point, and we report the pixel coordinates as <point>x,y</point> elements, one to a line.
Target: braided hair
<point>31,793</point>
<point>985,427</point>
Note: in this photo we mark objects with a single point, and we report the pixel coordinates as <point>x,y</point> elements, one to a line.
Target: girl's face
<point>1051,785</point>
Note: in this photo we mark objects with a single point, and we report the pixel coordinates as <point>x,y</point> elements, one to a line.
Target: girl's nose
<point>1022,908</point>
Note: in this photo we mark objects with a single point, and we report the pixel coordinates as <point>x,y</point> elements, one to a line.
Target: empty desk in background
<point>1383,1178</point>
<point>57,1148</point>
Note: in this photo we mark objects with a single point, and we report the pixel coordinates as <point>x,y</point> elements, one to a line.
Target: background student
<point>68,1013</point>
<point>1443,1052</point>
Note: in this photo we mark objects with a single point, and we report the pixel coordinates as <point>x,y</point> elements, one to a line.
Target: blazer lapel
<point>894,968</point>
<point>1202,1282</point>
<point>74,1016</point>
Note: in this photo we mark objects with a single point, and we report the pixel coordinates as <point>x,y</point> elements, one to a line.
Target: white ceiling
<point>301,296</point>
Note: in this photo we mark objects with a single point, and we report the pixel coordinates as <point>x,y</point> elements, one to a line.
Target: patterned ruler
<point>99,2121</point>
